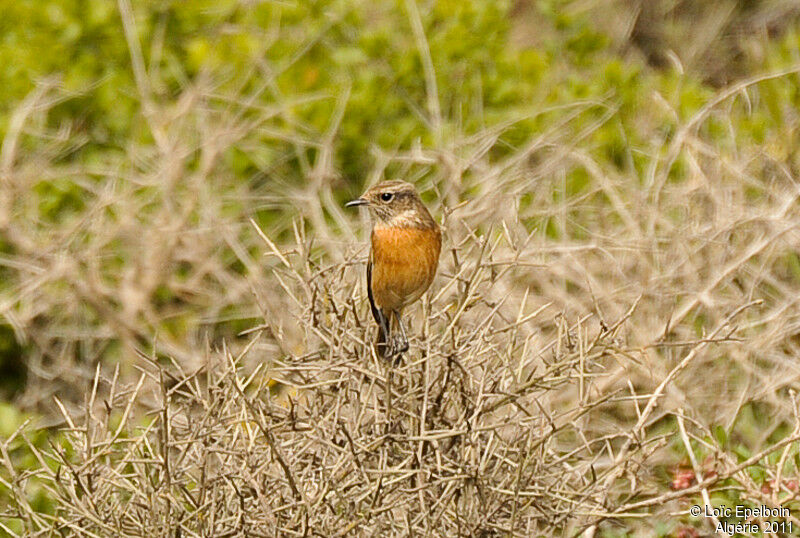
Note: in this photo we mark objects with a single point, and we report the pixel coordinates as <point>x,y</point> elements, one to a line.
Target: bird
<point>405,245</point>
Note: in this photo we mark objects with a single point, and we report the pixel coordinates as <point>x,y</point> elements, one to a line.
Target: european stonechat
<point>406,242</point>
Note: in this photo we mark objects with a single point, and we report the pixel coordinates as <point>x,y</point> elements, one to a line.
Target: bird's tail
<point>382,341</point>
<point>390,329</point>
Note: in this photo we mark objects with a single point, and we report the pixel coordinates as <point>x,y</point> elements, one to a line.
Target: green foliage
<point>18,434</point>
<point>321,49</point>
<point>283,52</point>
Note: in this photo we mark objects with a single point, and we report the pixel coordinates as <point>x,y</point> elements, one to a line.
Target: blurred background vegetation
<point>202,115</point>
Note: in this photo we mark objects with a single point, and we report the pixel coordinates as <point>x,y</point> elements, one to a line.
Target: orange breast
<point>404,263</point>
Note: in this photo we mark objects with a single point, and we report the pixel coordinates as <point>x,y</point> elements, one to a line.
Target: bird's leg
<point>400,342</point>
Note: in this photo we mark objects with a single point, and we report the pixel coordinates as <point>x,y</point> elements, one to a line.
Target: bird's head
<point>395,203</point>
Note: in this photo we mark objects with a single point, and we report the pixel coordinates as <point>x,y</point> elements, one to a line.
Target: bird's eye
<point>386,196</point>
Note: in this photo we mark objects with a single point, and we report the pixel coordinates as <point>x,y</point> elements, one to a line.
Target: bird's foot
<point>402,344</point>
<point>398,345</point>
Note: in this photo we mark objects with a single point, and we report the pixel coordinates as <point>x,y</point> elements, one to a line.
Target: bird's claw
<point>396,346</point>
<point>399,344</point>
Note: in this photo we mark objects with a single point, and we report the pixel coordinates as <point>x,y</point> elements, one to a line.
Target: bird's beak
<point>357,202</point>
